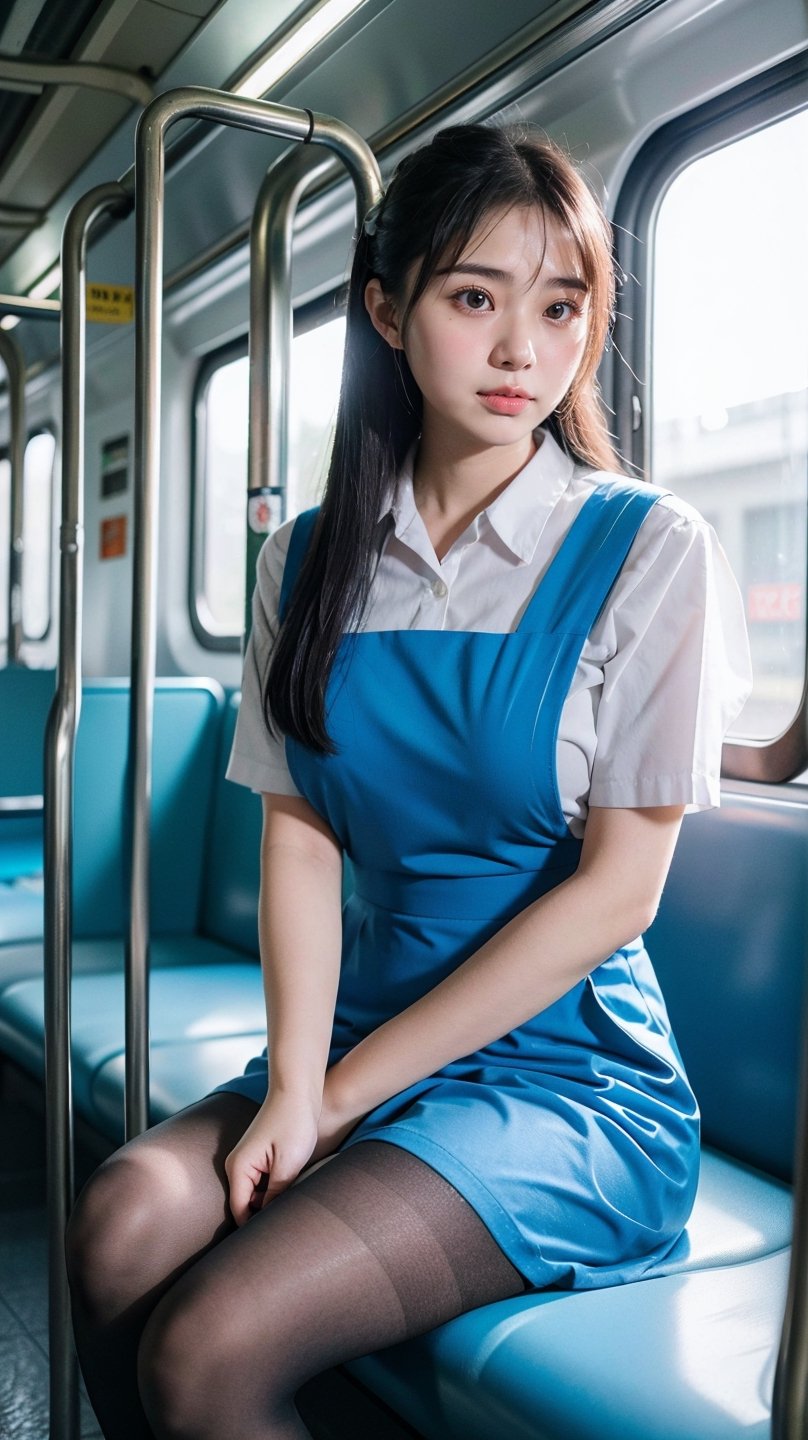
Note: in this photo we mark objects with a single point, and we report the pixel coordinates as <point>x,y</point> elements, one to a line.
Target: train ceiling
<point>46,138</point>
<point>387,69</point>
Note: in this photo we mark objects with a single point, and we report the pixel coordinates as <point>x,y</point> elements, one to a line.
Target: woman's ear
<point>383,314</point>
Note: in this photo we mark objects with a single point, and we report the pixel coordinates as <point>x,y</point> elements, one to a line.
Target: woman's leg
<point>363,1252</point>
<point>148,1213</point>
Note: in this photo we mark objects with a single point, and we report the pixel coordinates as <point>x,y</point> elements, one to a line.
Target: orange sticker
<point>113,537</point>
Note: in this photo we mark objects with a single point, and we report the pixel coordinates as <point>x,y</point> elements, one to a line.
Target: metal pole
<point>790,1401</point>
<point>18,74</point>
<point>271,236</point>
<point>271,342</point>
<point>11,355</point>
<point>60,742</point>
<point>156,120</point>
<point>29,309</point>
<point>271,304</point>
<point>271,312</point>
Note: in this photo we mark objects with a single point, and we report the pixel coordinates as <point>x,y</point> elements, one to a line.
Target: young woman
<point>493,672</point>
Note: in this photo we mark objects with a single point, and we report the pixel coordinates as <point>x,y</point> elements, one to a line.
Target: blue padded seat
<point>179,1074</point>
<point>230,903</point>
<point>689,1356</point>
<point>208,988</point>
<point>186,738</point>
<point>98,955</point>
<point>21,843</point>
<point>191,1003</point>
<point>25,698</point>
<point>729,946</point>
<point>186,734</point>
<point>21,907</point>
<point>686,1357</point>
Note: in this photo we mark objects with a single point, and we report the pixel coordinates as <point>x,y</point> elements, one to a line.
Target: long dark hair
<point>435,202</point>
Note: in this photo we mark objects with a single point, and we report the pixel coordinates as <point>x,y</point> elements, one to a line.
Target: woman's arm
<point>531,962</point>
<point>300,931</point>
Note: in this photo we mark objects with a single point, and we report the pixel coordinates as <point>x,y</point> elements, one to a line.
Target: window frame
<point>752,106</point>
<point>46,428</point>
<point>306,317</point>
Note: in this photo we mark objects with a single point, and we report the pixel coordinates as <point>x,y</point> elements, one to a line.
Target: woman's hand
<point>272,1152</point>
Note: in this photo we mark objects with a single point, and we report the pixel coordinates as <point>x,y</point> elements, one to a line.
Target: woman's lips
<point>504,402</point>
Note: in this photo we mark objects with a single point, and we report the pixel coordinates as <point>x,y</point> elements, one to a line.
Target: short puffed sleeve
<point>677,669</point>
<point>257,758</point>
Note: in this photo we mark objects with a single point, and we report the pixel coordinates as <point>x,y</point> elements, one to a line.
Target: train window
<point>218,562</point>
<point>37,534</point>
<point>5,522</point>
<point>730,384</point>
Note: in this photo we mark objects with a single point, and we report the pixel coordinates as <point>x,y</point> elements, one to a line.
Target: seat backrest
<point>232,872</point>
<point>25,698</point>
<point>232,865</point>
<point>186,733</point>
<point>729,946</point>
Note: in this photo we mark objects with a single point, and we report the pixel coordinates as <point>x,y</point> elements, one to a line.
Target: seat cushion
<point>93,957</point>
<point>179,1074</point>
<point>192,1003</point>
<point>685,1357</point>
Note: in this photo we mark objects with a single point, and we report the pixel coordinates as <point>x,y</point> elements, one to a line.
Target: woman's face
<point>494,342</point>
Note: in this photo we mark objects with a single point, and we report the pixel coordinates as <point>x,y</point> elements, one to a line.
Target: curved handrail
<point>271,327</point>
<point>60,741</point>
<point>12,358</point>
<point>17,73</point>
<point>292,124</point>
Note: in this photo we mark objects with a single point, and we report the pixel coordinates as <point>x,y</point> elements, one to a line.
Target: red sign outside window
<point>774,602</point>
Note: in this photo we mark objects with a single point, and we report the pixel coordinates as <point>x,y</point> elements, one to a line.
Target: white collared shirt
<point>662,674</point>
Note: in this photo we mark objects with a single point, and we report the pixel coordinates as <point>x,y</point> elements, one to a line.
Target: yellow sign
<point>112,304</point>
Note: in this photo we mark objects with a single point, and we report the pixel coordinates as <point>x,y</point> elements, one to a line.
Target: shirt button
<point>439,589</point>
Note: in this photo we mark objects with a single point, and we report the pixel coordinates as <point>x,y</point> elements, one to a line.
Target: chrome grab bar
<point>267,118</point>
<point>12,358</point>
<point>60,743</point>
<point>271,333</point>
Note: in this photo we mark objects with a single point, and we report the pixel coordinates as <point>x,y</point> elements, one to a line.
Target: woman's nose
<point>513,349</point>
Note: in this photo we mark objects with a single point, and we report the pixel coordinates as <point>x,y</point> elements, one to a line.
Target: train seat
<point>25,698</point>
<point>187,1004</point>
<point>21,903</point>
<point>684,1357</point>
<point>179,1074</point>
<point>186,736</point>
<point>690,1354</point>
<point>206,989</point>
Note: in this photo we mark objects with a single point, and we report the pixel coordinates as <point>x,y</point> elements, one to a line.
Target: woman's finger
<point>245,1180</point>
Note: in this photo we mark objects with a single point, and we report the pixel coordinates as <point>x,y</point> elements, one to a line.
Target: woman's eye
<point>562,310</point>
<point>470,299</point>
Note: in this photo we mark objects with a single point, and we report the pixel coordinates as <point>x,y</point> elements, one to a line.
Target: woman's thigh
<point>155,1206</point>
<point>364,1252</point>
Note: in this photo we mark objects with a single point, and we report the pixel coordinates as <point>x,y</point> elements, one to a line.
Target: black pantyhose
<point>187,1328</point>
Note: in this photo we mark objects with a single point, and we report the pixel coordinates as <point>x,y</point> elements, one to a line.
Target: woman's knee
<point>110,1236</point>
<point>184,1370</point>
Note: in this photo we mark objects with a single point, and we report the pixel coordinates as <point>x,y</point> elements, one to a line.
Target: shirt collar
<point>519,513</point>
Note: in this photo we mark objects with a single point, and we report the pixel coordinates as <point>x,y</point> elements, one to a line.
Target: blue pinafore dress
<point>575,1137</point>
